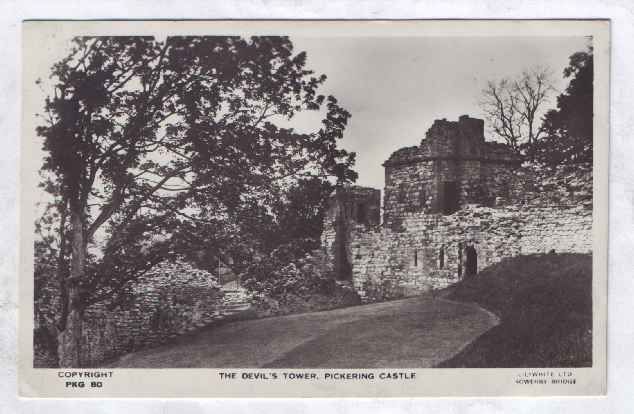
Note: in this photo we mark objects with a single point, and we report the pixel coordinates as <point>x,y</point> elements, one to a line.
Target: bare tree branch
<point>512,107</point>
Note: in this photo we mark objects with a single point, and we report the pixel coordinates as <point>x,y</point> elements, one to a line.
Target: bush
<point>288,269</point>
<point>290,280</point>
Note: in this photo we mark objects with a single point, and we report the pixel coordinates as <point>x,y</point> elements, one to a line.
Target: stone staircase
<point>236,300</point>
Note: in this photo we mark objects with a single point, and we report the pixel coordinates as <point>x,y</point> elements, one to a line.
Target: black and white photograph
<point>315,207</point>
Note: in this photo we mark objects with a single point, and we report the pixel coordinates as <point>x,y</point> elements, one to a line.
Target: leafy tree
<point>296,219</point>
<point>150,144</point>
<point>301,213</point>
<point>568,129</point>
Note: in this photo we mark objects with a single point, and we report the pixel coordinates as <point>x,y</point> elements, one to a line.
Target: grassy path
<point>416,332</point>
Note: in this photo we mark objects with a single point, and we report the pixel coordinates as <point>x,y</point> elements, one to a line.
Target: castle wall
<point>416,187</point>
<point>408,188</point>
<point>524,210</point>
<point>497,181</point>
<point>456,204</point>
<point>428,251</point>
<point>348,206</point>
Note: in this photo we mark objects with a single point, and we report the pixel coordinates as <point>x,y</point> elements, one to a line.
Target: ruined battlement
<point>453,166</point>
<point>454,140</point>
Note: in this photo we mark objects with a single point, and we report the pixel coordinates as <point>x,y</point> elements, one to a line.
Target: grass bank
<point>545,306</point>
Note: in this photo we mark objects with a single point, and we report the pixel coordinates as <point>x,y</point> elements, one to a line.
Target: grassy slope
<point>545,306</point>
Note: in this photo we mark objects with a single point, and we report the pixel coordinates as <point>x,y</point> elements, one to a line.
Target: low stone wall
<point>171,300</point>
<point>427,252</point>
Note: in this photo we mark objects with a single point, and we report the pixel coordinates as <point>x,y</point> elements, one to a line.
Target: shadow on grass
<point>545,306</point>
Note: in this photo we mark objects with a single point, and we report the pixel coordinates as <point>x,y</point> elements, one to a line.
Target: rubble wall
<point>172,299</point>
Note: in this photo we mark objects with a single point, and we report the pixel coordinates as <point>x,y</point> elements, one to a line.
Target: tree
<point>146,140</point>
<point>300,213</point>
<point>512,106</point>
<point>295,218</point>
<point>567,129</point>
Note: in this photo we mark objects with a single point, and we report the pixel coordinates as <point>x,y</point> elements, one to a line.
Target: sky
<point>396,87</point>
<point>393,87</point>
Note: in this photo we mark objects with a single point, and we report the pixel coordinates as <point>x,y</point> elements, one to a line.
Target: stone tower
<point>453,205</point>
<point>453,166</point>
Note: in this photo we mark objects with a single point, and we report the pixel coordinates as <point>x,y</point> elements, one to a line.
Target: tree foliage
<point>567,129</point>
<point>155,148</point>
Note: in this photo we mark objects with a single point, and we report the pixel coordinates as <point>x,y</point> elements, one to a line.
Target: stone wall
<point>355,203</point>
<point>540,210</point>
<point>171,300</point>
<point>429,251</point>
<point>347,207</point>
<point>452,166</point>
<point>408,188</point>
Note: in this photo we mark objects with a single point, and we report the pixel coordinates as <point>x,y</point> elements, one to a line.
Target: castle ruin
<point>453,205</point>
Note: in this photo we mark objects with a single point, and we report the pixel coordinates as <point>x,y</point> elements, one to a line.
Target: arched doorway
<point>471,265</point>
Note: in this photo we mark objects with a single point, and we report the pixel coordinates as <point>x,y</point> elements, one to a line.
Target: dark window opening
<point>472,261</point>
<point>361,214</point>
<point>441,258</point>
<point>448,197</point>
<point>415,258</point>
<point>459,259</point>
<point>423,198</point>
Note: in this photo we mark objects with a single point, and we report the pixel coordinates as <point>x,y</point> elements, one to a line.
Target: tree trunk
<point>62,268</point>
<point>69,339</point>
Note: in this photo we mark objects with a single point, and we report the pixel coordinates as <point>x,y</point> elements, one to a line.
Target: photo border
<point>431,382</point>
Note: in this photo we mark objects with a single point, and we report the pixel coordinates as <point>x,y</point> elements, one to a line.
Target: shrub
<point>292,280</point>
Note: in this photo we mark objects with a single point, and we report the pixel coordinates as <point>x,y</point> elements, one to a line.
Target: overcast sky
<point>396,87</point>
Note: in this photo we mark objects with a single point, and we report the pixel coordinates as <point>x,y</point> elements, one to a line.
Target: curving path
<point>417,332</point>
